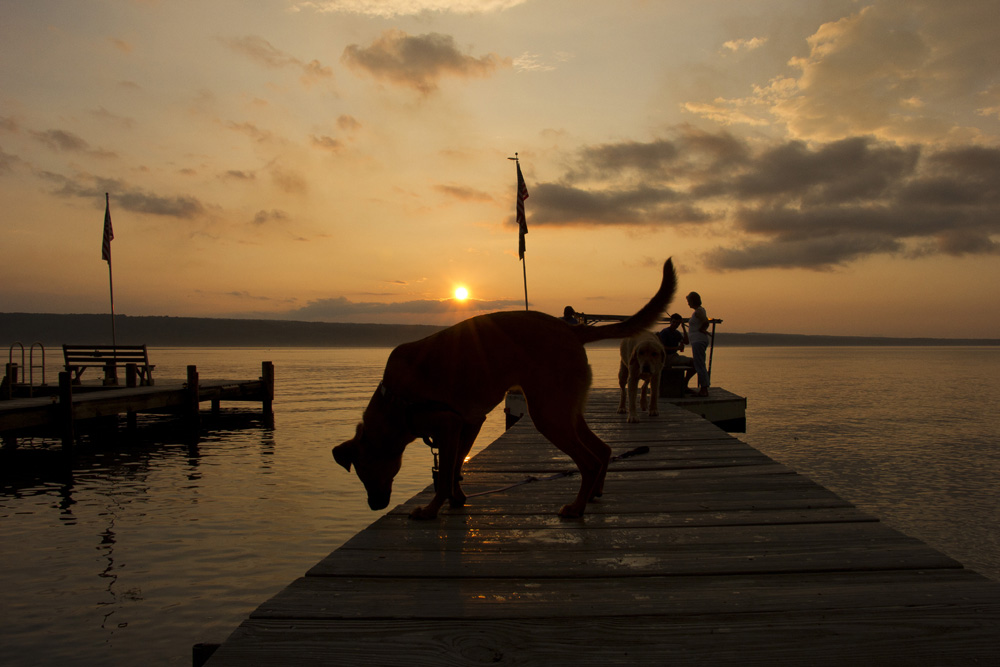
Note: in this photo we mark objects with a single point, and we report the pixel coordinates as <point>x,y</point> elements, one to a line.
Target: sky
<point>814,167</point>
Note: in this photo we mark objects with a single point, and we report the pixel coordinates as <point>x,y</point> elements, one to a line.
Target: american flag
<point>108,232</point>
<point>522,223</point>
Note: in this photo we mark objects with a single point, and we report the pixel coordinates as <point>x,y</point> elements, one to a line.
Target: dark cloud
<point>7,161</point>
<point>793,204</point>
<point>127,197</point>
<point>274,215</point>
<point>327,143</point>
<point>801,253</point>
<point>418,61</point>
<point>558,204</point>
<point>341,307</point>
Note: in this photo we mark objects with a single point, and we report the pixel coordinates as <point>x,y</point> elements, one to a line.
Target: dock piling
<point>267,379</point>
<point>66,409</point>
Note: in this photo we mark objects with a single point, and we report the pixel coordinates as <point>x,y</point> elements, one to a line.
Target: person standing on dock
<point>698,336</point>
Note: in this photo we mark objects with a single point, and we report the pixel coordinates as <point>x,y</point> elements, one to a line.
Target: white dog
<point>642,358</point>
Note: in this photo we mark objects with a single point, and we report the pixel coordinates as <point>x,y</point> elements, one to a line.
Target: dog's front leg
<point>445,430</point>
<point>633,389</point>
<point>654,392</point>
<point>622,383</point>
<point>470,431</point>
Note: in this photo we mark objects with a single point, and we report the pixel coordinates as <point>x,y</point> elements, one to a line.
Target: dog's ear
<point>347,453</point>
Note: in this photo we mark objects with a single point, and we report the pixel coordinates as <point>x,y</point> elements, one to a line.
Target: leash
<point>642,449</point>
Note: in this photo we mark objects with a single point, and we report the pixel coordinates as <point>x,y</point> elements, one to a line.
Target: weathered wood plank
<point>680,596</point>
<point>702,551</point>
<point>549,561</point>
<point>904,636</point>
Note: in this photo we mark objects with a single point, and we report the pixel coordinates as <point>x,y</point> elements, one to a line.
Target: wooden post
<point>267,378</point>
<point>66,409</point>
<point>131,380</point>
<point>192,390</point>
<point>110,374</point>
<point>9,380</point>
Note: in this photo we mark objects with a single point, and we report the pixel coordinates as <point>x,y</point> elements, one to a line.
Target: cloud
<point>127,197</point>
<point>68,142</point>
<point>463,193</point>
<point>327,143</point>
<point>789,204</point>
<point>251,130</point>
<point>114,119</point>
<point>897,70</point>
<point>264,53</point>
<point>394,8</point>
<point>263,217</point>
<point>348,123</point>
<point>8,161</point>
<point>737,45</point>
<point>341,307</point>
<point>418,62</point>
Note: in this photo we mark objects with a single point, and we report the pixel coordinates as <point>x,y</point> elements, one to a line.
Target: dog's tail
<point>642,320</point>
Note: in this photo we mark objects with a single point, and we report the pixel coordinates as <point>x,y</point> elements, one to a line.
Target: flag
<point>108,232</point>
<point>522,223</point>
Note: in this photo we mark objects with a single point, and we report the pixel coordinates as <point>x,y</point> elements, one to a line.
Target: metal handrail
<point>592,319</point>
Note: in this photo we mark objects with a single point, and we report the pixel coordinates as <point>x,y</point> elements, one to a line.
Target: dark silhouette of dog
<point>441,388</point>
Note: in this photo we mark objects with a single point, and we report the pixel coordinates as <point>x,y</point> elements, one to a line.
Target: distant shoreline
<point>52,330</point>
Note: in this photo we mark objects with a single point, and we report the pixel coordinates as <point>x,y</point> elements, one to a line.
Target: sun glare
<point>461,293</point>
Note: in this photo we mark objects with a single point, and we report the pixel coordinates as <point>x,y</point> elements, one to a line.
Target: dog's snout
<point>378,502</point>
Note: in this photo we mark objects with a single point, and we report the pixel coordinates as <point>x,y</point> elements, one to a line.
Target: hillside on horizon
<point>52,330</point>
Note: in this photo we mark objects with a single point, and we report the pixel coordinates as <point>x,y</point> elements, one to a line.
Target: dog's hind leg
<point>588,452</point>
<point>598,448</point>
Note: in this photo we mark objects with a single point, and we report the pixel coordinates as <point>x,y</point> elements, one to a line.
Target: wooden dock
<point>72,404</point>
<point>702,551</point>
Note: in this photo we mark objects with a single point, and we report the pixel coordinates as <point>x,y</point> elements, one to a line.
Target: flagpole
<point>522,194</point>
<point>106,254</point>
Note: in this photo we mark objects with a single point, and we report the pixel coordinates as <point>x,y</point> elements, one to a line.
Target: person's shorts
<point>679,360</point>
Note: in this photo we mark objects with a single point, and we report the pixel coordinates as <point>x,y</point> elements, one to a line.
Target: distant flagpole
<point>522,224</point>
<point>106,256</point>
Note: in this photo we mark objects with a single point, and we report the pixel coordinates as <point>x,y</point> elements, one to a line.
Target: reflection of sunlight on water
<point>193,537</point>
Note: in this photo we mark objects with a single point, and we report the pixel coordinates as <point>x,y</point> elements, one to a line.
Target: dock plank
<point>702,551</point>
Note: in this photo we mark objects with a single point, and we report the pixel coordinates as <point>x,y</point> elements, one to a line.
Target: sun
<point>461,293</point>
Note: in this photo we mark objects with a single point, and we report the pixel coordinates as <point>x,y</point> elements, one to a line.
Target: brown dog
<point>442,387</point>
<point>642,358</point>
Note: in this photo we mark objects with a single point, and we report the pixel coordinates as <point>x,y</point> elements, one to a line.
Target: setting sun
<point>461,293</point>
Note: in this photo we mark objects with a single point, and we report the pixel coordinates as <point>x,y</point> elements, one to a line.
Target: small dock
<point>702,551</point>
<point>67,405</point>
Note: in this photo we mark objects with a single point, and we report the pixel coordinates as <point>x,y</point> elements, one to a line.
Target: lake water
<point>135,551</point>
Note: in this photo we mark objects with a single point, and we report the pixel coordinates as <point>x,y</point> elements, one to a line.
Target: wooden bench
<point>673,381</point>
<point>79,358</point>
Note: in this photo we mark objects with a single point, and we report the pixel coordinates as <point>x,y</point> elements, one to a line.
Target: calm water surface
<point>134,551</point>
